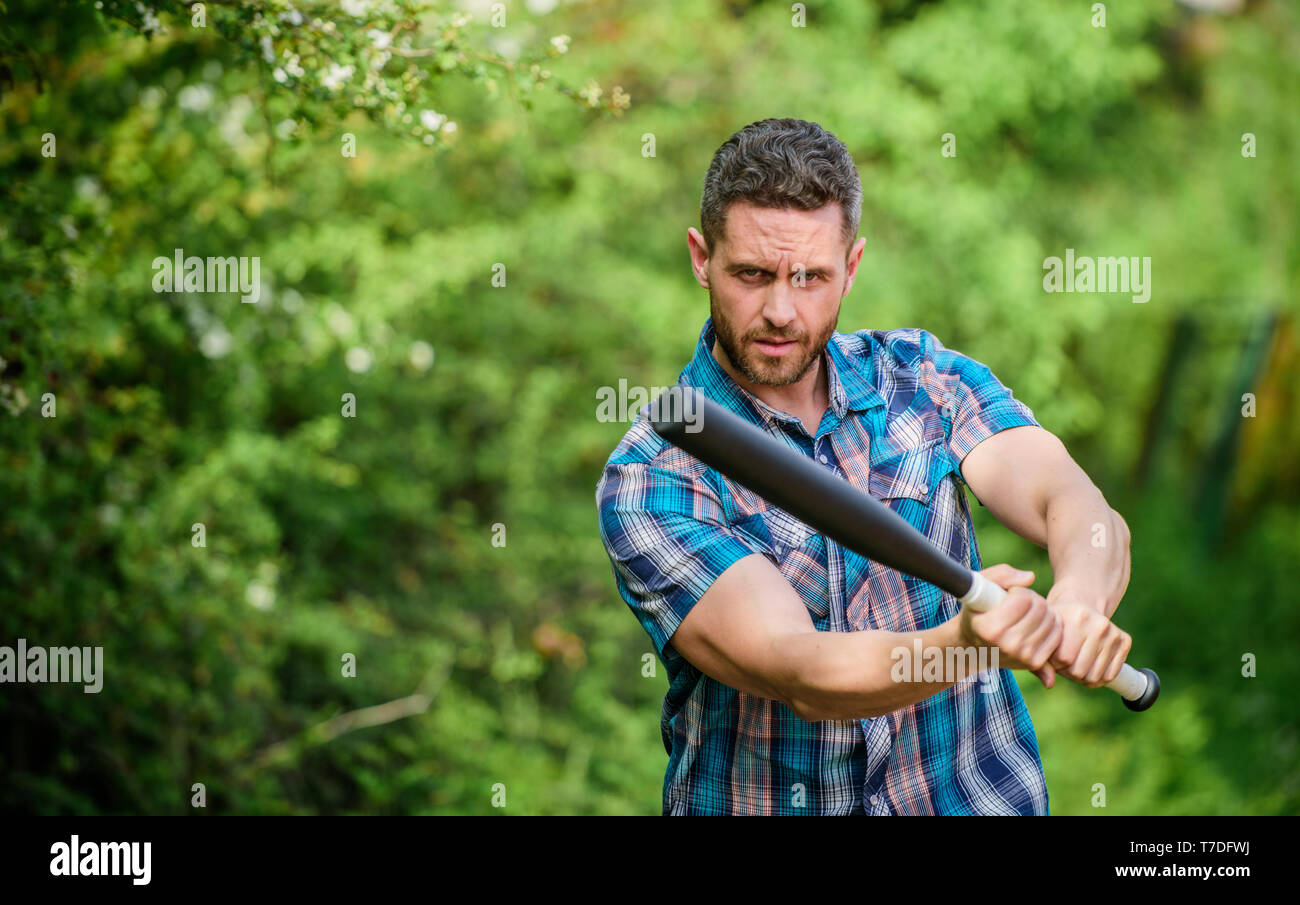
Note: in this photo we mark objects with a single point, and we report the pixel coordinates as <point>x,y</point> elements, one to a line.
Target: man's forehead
<point>762,233</point>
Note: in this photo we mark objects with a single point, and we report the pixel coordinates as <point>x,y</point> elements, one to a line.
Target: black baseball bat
<point>852,518</point>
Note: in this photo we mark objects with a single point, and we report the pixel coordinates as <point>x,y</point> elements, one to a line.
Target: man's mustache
<point>752,337</point>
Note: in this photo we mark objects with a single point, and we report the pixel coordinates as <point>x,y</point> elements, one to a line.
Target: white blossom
<point>259,595</point>
<point>87,187</point>
<point>195,98</point>
<point>358,360</point>
<point>340,322</point>
<point>216,342</point>
<point>421,355</point>
<point>336,76</point>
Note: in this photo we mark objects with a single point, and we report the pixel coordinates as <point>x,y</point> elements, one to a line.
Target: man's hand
<point>1092,648</point>
<point>1023,628</point>
<point>1026,478</point>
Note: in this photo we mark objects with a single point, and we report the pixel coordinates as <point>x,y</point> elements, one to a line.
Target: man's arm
<point>751,631</point>
<point>1027,479</point>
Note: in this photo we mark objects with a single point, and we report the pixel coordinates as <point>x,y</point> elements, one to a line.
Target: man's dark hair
<point>780,163</point>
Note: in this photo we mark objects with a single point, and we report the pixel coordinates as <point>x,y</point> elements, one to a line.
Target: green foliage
<point>373,535</point>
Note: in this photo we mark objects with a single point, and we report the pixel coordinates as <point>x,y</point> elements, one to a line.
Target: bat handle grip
<point>983,595</point>
<point>1138,687</point>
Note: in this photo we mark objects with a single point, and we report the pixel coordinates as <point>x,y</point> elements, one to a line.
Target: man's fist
<point>1092,649</point>
<point>1024,629</point>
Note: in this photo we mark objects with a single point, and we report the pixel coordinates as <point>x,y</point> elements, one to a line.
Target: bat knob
<point>1149,696</point>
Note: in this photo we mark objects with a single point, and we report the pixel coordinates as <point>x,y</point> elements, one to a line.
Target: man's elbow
<point>806,707</point>
<point>1121,529</point>
<point>815,712</point>
<point>800,693</point>
<point>812,698</point>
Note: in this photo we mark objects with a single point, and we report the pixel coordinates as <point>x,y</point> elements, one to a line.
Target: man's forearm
<point>1088,544</point>
<point>851,675</point>
<point>1026,478</point>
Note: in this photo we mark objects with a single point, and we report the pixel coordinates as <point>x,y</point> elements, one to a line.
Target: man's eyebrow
<point>746,265</point>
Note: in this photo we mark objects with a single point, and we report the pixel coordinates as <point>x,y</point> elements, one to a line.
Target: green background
<point>373,535</point>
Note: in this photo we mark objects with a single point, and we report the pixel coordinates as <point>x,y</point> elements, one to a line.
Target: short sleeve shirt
<point>904,412</point>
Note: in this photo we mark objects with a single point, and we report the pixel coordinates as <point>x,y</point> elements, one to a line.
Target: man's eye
<point>806,277</point>
<point>751,272</point>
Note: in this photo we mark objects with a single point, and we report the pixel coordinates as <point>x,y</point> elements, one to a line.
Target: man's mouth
<point>774,347</point>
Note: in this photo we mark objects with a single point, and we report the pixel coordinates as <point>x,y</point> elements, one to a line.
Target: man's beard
<point>758,368</point>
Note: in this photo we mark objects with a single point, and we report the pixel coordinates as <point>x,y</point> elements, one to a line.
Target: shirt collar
<point>849,388</point>
<point>852,375</point>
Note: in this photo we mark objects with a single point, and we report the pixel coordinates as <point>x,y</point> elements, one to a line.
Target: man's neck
<point>806,399</point>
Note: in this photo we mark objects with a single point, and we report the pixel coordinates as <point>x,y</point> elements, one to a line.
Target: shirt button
<point>875,800</point>
<point>823,459</point>
<point>777,550</point>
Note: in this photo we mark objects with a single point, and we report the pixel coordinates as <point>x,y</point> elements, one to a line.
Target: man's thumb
<point>1047,675</point>
<point>1005,576</point>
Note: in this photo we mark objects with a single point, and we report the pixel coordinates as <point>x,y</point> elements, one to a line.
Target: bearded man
<point>777,642</point>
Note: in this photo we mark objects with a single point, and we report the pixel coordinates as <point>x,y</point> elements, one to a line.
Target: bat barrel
<point>791,481</point>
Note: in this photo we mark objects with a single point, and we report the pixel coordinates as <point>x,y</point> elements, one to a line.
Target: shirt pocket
<point>910,483</point>
<point>797,551</point>
<point>910,474</point>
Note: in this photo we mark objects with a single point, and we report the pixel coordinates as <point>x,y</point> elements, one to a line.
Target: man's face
<point>775,284</point>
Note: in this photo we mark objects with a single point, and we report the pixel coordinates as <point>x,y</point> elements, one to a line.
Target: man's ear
<point>699,256</point>
<point>854,259</point>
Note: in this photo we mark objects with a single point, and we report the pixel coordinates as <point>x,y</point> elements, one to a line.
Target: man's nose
<point>778,306</point>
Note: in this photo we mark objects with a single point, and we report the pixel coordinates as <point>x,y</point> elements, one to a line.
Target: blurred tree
<point>473,294</point>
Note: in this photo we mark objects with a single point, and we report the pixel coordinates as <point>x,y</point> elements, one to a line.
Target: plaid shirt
<point>904,411</point>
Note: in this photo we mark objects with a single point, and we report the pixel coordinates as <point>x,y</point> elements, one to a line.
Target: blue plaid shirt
<point>904,411</point>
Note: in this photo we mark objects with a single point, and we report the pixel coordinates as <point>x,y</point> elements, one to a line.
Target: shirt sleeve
<point>976,404</point>
<point>667,539</point>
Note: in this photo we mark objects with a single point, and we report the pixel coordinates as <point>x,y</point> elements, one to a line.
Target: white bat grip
<point>1130,683</point>
<point>984,595</point>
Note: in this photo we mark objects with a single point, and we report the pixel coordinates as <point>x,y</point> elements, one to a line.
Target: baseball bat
<point>852,518</point>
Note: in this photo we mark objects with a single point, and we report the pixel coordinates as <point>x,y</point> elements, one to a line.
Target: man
<point>779,644</point>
